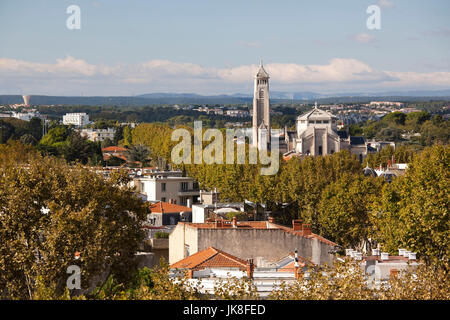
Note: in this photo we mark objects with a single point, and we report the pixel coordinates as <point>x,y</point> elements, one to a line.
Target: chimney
<point>306,229</point>
<point>348,252</point>
<point>234,222</point>
<point>297,225</point>
<point>401,251</point>
<point>375,252</point>
<point>412,256</point>
<point>250,268</point>
<point>393,273</point>
<point>190,274</point>
<point>406,253</point>
<point>384,256</point>
<point>161,205</point>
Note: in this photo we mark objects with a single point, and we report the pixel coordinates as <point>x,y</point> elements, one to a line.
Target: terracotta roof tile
<point>165,207</point>
<point>114,149</point>
<point>208,258</point>
<point>224,224</point>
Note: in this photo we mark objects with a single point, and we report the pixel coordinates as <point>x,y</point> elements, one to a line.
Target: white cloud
<point>363,37</point>
<point>72,76</point>
<point>385,3</point>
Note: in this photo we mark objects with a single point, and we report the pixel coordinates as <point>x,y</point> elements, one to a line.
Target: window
<point>163,187</point>
<point>142,186</point>
<point>184,186</point>
<point>320,150</point>
<point>325,121</point>
<point>261,94</point>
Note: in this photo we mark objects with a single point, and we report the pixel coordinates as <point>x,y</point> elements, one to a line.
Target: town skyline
<point>322,47</point>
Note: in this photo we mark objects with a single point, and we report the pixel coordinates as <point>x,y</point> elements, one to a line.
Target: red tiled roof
<point>224,224</point>
<point>165,207</point>
<point>114,149</point>
<point>208,258</point>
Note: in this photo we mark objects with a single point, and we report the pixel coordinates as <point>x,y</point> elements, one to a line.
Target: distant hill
<point>237,98</point>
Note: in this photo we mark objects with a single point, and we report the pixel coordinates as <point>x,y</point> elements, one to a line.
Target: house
<point>209,268</point>
<point>112,153</point>
<point>168,214</point>
<point>167,186</point>
<point>380,266</point>
<point>98,134</point>
<point>263,241</point>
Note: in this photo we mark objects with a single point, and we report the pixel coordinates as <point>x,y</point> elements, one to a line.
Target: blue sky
<point>210,47</point>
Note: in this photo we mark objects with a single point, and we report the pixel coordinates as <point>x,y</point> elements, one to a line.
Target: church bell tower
<point>261,110</point>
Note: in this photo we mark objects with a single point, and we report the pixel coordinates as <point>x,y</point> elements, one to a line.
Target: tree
<point>127,138</point>
<point>414,209</point>
<point>139,153</point>
<point>345,210</point>
<point>78,148</point>
<point>49,211</point>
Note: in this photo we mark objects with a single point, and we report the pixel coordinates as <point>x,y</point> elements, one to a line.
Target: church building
<point>261,110</point>
<point>317,135</point>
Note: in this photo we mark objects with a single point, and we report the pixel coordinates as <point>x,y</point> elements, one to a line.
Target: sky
<point>214,47</point>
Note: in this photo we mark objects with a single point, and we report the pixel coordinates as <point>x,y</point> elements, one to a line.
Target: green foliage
<point>347,281</point>
<point>161,235</point>
<point>64,142</point>
<point>127,138</point>
<point>86,213</point>
<point>156,137</point>
<point>138,153</point>
<point>345,210</point>
<point>414,209</point>
<point>12,128</point>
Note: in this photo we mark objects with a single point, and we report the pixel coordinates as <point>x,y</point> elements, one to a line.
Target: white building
<point>26,116</point>
<point>76,119</point>
<point>98,134</point>
<point>168,186</point>
<point>380,266</point>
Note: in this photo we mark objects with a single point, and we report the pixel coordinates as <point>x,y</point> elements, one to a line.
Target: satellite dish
<point>139,173</point>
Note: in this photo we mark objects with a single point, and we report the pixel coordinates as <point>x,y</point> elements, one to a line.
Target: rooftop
<point>298,229</point>
<point>210,258</point>
<point>165,207</point>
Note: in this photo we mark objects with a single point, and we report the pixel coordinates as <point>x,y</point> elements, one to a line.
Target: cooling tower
<point>26,100</point>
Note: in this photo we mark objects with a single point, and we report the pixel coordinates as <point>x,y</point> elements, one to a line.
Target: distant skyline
<point>213,47</point>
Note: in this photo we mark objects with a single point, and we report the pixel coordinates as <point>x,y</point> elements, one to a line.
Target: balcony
<point>189,192</point>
